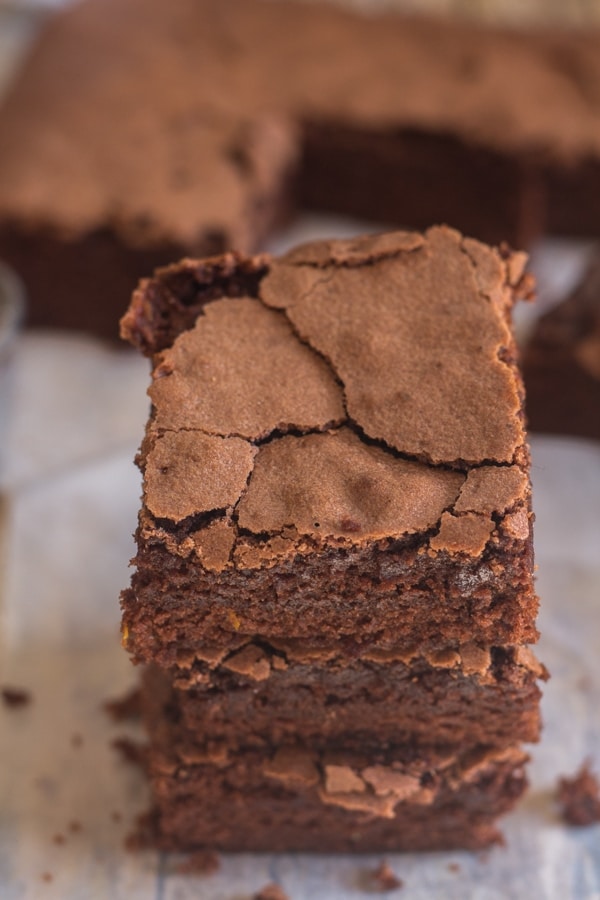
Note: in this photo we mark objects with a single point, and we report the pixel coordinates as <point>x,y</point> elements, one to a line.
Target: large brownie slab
<point>335,452</point>
<point>211,115</point>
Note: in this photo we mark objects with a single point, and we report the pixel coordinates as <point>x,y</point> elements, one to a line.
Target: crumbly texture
<point>561,363</point>
<point>229,111</point>
<point>334,572</point>
<point>419,520</point>
<point>579,797</point>
<point>260,696</point>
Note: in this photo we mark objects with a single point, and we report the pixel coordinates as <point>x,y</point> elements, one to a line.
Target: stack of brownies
<point>333,589</point>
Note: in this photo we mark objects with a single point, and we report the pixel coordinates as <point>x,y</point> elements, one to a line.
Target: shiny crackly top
<point>367,392</point>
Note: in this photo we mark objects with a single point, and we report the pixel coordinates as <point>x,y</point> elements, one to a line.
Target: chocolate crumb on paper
<point>202,862</point>
<point>579,797</point>
<point>270,892</point>
<point>14,697</point>
<point>381,879</point>
<point>123,708</point>
<point>130,751</point>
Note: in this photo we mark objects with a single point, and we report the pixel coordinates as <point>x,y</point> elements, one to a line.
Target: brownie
<point>352,425</point>
<point>334,551</point>
<point>481,697</point>
<point>294,799</point>
<point>561,363</point>
<point>218,116</point>
<point>579,797</point>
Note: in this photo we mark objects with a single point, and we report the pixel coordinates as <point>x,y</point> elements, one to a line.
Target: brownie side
<point>56,272</point>
<point>296,800</point>
<point>254,697</point>
<point>561,364</point>
<point>284,483</point>
<point>415,177</point>
<point>384,596</point>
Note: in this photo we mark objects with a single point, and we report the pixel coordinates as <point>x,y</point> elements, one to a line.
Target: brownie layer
<point>301,801</point>
<point>381,596</point>
<point>403,120</point>
<point>561,364</point>
<point>260,696</point>
<point>283,499</point>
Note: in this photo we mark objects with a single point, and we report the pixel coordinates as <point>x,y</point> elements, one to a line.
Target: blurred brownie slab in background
<point>122,147</point>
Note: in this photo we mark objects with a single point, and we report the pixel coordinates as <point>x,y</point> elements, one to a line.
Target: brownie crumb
<point>75,826</point>
<point>124,708</point>
<point>14,698</point>
<point>131,751</point>
<point>47,877</point>
<point>381,879</point>
<point>385,878</point>
<point>59,840</point>
<point>270,892</point>
<point>579,797</point>
<point>453,867</point>
<point>76,741</point>
<point>202,862</point>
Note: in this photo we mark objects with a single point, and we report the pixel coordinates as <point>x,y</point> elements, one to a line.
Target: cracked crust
<point>339,333</point>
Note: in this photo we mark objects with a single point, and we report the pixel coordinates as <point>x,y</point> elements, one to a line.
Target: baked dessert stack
<point>333,592</point>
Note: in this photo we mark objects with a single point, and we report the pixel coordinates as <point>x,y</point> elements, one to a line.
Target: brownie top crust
<point>349,391</point>
<point>188,94</point>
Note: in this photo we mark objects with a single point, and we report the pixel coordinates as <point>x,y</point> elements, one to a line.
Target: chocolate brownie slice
<point>337,453</point>
<point>561,364</point>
